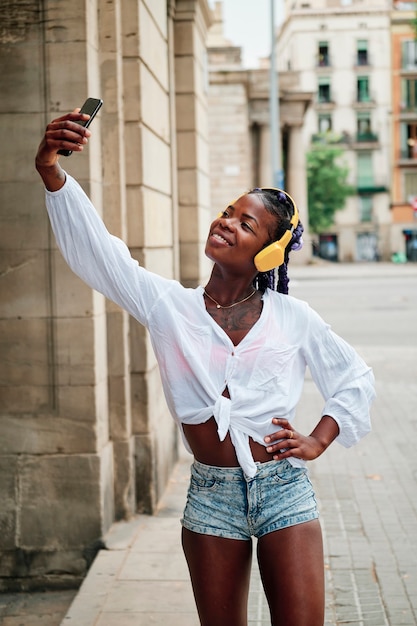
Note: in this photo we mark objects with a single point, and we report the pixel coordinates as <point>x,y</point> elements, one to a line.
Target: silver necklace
<point>229,306</point>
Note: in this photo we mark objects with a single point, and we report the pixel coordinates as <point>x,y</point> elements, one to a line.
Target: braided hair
<point>279,204</point>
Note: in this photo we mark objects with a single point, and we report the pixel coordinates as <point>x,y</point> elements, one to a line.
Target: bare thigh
<point>220,574</point>
<point>292,571</point>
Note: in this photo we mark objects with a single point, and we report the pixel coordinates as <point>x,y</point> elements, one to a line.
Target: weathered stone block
<point>117,342</point>
<point>186,75</point>
<point>140,399</point>
<point>9,505</point>
<point>157,219</point>
<point>124,474</point>
<point>119,407</point>
<point>159,261</point>
<point>46,434</point>
<point>131,73</point>
<point>187,149</point>
<point>185,109</point>
<point>133,154</point>
<point>156,162</point>
<point>24,349</point>
<point>154,104</point>
<point>130,28</point>
<point>158,10</point>
<point>18,130</point>
<point>78,402</point>
<point>26,226</point>
<point>67,69</point>
<point>153,47</point>
<point>187,188</point>
<point>63,501</point>
<point>24,398</point>
<point>24,276</point>
<point>23,60</point>
<point>68,27</point>
<point>184,38</point>
<point>75,347</point>
<point>145,474</point>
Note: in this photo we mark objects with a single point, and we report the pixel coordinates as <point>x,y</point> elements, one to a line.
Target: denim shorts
<point>225,502</point>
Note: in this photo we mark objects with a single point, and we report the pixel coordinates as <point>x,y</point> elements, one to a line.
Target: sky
<point>247,24</point>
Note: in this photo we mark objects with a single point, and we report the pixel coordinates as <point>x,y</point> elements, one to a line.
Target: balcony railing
<point>330,138</point>
<point>366,137</point>
<point>344,138</point>
<point>408,154</point>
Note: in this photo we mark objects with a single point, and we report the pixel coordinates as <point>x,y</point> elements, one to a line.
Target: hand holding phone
<point>90,107</point>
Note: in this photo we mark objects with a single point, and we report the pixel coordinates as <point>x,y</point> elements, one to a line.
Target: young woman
<point>232,357</point>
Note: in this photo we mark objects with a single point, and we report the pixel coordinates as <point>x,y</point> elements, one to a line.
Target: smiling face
<point>243,229</point>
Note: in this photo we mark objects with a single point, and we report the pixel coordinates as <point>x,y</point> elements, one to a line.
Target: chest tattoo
<point>237,322</point>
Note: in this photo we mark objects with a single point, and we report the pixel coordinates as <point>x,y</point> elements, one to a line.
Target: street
<point>368,494</point>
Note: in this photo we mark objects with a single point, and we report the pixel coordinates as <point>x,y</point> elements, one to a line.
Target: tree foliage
<point>327,185</point>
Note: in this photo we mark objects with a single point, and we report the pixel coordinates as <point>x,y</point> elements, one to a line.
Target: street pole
<point>276,156</point>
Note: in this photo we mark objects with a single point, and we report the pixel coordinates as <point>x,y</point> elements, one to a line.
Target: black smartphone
<point>91,107</point>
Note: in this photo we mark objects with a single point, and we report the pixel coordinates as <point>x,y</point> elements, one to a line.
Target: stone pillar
<point>114,214</point>
<point>192,19</point>
<point>149,215</point>
<point>266,178</point>
<point>296,185</point>
<point>56,459</point>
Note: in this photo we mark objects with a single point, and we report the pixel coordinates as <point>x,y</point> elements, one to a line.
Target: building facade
<point>404,129</point>
<point>240,133</point>
<point>340,51</point>
<point>85,435</point>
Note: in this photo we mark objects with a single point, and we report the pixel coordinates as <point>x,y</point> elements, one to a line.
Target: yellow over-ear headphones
<point>274,254</point>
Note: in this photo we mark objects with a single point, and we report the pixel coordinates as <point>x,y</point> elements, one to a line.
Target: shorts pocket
<point>200,482</point>
<point>287,473</point>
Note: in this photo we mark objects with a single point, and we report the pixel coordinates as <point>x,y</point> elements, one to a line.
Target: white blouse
<point>264,373</point>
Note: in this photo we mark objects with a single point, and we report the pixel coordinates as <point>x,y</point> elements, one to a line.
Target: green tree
<point>327,185</point>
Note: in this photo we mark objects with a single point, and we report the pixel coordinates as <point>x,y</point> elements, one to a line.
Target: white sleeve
<point>101,260</point>
<point>343,378</point>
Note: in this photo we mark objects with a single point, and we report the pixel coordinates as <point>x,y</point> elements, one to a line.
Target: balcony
<point>357,141</point>
<point>408,157</point>
<point>367,185</point>
<point>330,138</point>
<point>368,137</point>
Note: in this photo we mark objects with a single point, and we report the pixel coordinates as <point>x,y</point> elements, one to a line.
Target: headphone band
<point>274,254</point>
<point>295,217</point>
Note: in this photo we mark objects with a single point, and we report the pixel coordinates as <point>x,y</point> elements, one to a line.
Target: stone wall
<point>85,436</point>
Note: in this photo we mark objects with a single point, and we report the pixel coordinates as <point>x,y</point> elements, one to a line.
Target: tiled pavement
<point>367,495</point>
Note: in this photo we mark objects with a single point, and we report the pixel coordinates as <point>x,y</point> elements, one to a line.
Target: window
<point>365,208</point>
<point>324,94</point>
<point>408,141</point>
<point>410,186</point>
<point>364,127</point>
<point>408,94</point>
<point>363,89</point>
<point>323,55</point>
<point>362,52</point>
<point>324,122</point>
<point>409,55</point>
<point>365,174</point>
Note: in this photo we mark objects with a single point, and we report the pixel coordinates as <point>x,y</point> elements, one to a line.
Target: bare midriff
<point>208,449</point>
